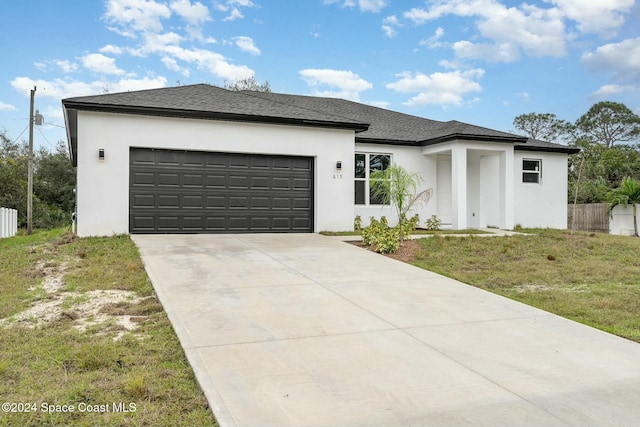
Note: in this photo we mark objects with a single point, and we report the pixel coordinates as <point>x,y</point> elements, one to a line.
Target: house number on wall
<point>337,176</point>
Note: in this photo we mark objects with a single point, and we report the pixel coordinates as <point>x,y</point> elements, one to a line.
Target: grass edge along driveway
<point>83,340</point>
<point>591,278</point>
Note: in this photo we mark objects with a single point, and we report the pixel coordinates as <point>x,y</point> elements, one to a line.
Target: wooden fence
<point>588,217</point>
<point>8,222</point>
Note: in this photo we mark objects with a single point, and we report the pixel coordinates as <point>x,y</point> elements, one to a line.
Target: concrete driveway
<point>304,330</point>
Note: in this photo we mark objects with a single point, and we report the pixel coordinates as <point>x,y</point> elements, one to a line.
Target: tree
<point>627,194</point>
<point>247,84</point>
<point>608,123</point>
<point>546,126</point>
<point>397,186</point>
<point>55,178</point>
<point>53,183</point>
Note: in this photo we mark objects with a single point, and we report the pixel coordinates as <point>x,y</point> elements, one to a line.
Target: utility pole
<point>30,176</point>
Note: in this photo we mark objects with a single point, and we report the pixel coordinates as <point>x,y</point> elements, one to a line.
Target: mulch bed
<point>406,253</point>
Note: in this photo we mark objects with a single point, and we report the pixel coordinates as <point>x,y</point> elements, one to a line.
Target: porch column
<point>459,186</point>
<point>507,187</point>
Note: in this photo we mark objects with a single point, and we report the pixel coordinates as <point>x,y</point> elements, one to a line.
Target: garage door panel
<point>207,192</point>
<point>144,201</point>
<point>168,157</point>
<point>144,178</point>
<point>165,179</point>
<point>238,182</point>
<point>192,180</point>
<point>168,201</point>
<point>216,181</point>
<point>190,201</point>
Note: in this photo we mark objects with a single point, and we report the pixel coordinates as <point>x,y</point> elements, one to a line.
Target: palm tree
<point>627,194</point>
<point>398,187</point>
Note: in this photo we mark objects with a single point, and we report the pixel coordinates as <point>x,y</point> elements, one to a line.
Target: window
<point>531,170</point>
<point>365,165</point>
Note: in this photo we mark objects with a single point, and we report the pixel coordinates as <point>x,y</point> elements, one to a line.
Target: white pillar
<point>459,186</point>
<point>507,188</point>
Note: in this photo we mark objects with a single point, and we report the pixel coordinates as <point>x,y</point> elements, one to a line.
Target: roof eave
<point>473,137</point>
<point>559,149</point>
<point>212,115</point>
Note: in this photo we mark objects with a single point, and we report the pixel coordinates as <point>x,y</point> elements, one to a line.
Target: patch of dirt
<point>406,253</point>
<point>532,287</point>
<point>83,309</point>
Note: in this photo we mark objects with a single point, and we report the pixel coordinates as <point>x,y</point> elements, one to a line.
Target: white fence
<point>8,222</point>
<point>622,220</point>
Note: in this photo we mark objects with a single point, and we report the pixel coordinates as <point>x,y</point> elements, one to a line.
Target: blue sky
<point>477,61</point>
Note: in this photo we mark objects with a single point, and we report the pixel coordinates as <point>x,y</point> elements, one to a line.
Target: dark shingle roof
<point>538,145</point>
<point>371,124</point>
<point>390,126</point>
<point>206,101</point>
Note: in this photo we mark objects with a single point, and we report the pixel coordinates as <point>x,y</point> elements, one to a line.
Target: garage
<point>181,191</point>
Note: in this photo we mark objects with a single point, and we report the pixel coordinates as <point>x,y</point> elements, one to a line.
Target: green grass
<point>55,364</point>
<point>416,232</point>
<point>591,278</point>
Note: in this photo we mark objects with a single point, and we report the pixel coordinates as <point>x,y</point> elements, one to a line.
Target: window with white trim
<point>366,163</point>
<point>531,170</point>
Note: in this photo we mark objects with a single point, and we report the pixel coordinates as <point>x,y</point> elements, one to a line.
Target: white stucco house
<point>201,159</point>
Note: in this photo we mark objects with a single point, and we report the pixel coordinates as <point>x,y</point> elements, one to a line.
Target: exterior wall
<point>621,222</point>
<point>103,186</point>
<point>544,204</point>
<point>411,159</point>
<point>481,183</point>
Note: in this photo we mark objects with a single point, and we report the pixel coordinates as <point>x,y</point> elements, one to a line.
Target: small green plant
<point>136,387</point>
<point>380,236</point>
<point>433,223</point>
<point>357,223</point>
<point>409,225</point>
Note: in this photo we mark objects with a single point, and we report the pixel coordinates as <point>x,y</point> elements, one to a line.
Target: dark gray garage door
<point>204,192</point>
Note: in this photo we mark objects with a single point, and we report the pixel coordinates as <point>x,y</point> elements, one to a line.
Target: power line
<point>54,124</point>
<point>45,138</point>
<point>16,138</point>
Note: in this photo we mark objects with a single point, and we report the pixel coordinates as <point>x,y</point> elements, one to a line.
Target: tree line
<point>54,180</point>
<point>607,134</point>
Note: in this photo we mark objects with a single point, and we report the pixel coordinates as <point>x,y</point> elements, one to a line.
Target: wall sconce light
<point>338,165</point>
<point>100,153</point>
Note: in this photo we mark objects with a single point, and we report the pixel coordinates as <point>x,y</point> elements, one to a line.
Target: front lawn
<point>590,278</point>
<point>83,340</point>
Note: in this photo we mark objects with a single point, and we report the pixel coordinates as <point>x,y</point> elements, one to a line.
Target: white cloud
<point>59,88</point>
<point>523,96</point>
<point>374,6</point>
<point>389,25</point>
<point>66,66</point>
<point>595,16</point>
<point>132,16</point>
<point>233,8</point>
<point>114,50</point>
<point>99,63</point>
<point>621,59</point>
<point>246,44</point>
<point>432,41</point>
<point>194,14</point>
<point>342,84</point>
<point>172,65</point>
<point>438,88</point>
<point>508,30</point>
<point>212,62</point>
<point>7,107</point>
<point>607,91</point>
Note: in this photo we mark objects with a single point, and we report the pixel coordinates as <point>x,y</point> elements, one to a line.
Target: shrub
<point>433,223</point>
<point>383,238</point>
<point>357,223</point>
